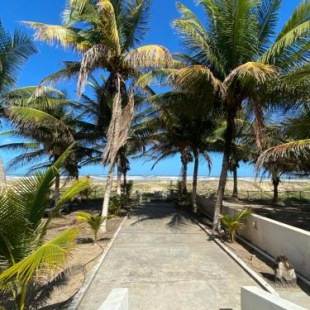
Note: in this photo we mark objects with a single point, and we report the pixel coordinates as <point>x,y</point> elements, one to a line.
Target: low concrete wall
<point>254,298</point>
<point>116,300</point>
<point>272,237</point>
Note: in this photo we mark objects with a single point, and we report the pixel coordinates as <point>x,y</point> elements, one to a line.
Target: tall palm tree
<point>106,33</point>
<point>178,132</point>
<point>238,55</point>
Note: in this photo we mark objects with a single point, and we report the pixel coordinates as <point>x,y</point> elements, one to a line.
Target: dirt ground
<point>85,255</point>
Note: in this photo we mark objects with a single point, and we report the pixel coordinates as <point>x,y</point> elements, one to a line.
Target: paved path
<point>167,262</point>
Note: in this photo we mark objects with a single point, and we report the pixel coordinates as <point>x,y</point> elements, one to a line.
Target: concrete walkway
<point>167,262</point>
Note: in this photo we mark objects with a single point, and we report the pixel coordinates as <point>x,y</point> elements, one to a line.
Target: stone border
<point>256,277</point>
<point>83,289</point>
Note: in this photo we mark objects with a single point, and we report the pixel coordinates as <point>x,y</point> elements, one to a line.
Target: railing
<point>298,196</point>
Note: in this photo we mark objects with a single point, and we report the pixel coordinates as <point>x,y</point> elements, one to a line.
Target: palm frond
<point>290,151</point>
<point>110,27</point>
<point>251,72</point>
<point>136,19</point>
<point>42,264</point>
<point>196,39</point>
<point>149,56</point>
<point>66,36</point>
<point>297,27</point>
<point>267,14</point>
<point>196,78</point>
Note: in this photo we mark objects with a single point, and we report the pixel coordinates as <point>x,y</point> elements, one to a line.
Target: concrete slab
<point>167,262</point>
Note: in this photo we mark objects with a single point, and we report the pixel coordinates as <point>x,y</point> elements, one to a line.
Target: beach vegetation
<point>242,61</point>
<point>93,221</point>
<point>108,40</point>
<point>29,261</point>
<point>234,224</point>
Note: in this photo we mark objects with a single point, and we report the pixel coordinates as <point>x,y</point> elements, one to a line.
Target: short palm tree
<point>93,221</point>
<point>26,258</point>
<point>240,60</point>
<point>234,224</point>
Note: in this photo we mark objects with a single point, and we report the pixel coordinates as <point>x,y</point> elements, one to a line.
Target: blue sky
<point>49,58</point>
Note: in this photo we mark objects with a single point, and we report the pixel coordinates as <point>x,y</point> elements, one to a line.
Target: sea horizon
<point>149,177</point>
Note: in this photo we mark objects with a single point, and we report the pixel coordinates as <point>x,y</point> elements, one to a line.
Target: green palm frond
<point>267,14</point>
<point>196,39</point>
<point>14,51</point>
<point>31,118</point>
<point>297,27</point>
<point>137,15</point>
<point>291,151</point>
<point>110,27</point>
<point>73,190</point>
<point>80,10</point>
<point>158,76</point>
<point>94,221</point>
<point>71,70</point>
<point>43,263</point>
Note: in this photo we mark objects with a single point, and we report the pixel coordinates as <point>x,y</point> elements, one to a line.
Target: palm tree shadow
<point>177,218</point>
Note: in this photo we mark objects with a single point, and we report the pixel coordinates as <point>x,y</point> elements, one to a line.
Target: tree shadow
<point>177,218</point>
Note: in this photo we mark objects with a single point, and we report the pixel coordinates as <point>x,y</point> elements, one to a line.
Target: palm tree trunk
<point>195,177</point>
<point>235,176</point>
<point>119,180</point>
<point>107,194</point>
<point>57,189</point>
<point>275,182</point>
<point>125,183</point>
<point>184,174</point>
<point>231,114</point>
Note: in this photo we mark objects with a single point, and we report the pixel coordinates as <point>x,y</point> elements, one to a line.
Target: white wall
<point>273,237</point>
<point>254,298</point>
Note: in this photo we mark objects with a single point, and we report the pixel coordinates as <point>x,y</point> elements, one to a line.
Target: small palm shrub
<point>94,221</point>
<point>27,259</point>
<point>116,203</point>
<point>234,224</point>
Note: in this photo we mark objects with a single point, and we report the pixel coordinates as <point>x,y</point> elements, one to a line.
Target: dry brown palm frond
<point>127,117</point>
<point>149,56</point>
<point>95,57</point>
<point>110,150</point>
<point>259,123</point>
<point>292,151</point>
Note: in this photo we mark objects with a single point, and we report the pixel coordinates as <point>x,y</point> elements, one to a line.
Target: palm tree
<point>237,55</point>
<point>186,134</point>
<point>289,154</point>
<point>26,258</point>
<point>107,34</point>
<point>49,128</point>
